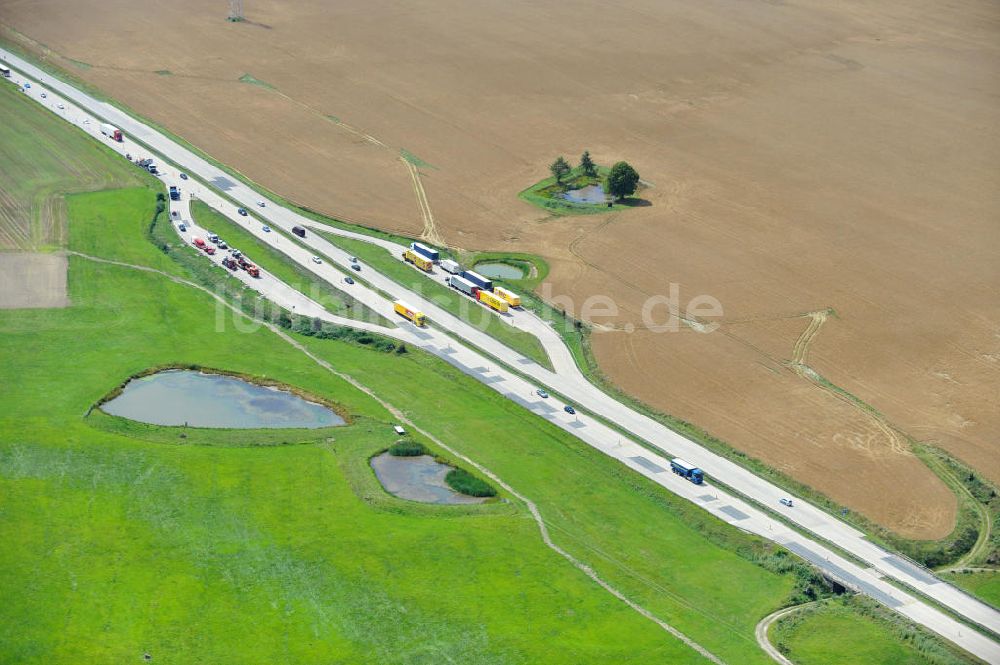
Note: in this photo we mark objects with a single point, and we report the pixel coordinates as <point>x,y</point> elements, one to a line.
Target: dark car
<point>569,409</point>
<point>349,279</point>
<point>184,176</point>
<point>242,211</point>
<point>182,228</point>
<point>355,266</point>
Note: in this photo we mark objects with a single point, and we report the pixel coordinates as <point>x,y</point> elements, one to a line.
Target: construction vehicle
<point>408,312</point>
<point>111,132</point>
<point>492,301</point>
<point>454,267</point>
<point>512,298</point>
<point>251,269</point>
<point>687,470</point>
<point>463,285</point>
<point>432,254</point>
<point>418,260</point>
<point>478,280</point>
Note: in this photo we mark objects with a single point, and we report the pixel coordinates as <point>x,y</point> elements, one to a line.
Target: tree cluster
<point>622,180</point>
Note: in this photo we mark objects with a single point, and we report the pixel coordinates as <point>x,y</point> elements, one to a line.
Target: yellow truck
<point>491,301</point>
<point>512,298</point>
<point>408,312</point>
<point>421,262</point>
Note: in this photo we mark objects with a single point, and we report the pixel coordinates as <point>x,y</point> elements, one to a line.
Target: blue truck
<point>687,470</point>
<point>425,251</point>
<point>478,280</point>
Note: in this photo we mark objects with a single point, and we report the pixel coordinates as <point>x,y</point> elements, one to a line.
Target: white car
<point>785,501</point>
<point>316,259</point>
<point>60,106</point>
<point>261,203</point>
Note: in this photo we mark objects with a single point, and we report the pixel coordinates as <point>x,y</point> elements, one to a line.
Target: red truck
<point>251,269</point>
<point>198,242</point>
<point>230,262</point>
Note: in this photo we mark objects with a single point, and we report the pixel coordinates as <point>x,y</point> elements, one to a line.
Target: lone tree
<point>587,164</point>
<point>560,169</point>
<point>622,180</point>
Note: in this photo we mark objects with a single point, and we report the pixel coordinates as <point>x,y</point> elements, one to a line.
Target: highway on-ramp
<point>866,567</point>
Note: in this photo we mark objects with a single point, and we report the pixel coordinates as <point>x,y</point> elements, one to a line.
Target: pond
<point>417,479</point>
<point>499,271</point>
<point>588,194</point>
<point>196,399</point>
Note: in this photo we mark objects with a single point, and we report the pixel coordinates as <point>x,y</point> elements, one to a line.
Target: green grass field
<point>38,164</point>
<point>856,631</point>
<point>445,297</point>
<point>280,546</point>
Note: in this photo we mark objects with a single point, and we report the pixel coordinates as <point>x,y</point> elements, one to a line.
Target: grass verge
<point>859,631</point>
<point>982,583</point>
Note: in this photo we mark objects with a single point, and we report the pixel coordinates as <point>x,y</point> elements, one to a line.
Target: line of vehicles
<point>234,260</point>
<point>468,282</point>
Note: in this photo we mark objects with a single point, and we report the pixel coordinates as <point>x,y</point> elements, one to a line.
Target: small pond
<point>185,397</point>
<point>588,194</point>
<point>417,479</point>
<point>499,271</point>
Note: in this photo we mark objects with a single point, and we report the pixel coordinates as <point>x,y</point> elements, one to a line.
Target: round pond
<point>196,399</point>
<point>495,270</point>
<point>588,194</point>
<point>417,479</point>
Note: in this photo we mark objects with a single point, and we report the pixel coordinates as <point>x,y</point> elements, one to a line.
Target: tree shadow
<point>635,202</point>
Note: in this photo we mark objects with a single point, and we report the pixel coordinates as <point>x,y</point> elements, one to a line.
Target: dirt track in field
<point>805,159</point>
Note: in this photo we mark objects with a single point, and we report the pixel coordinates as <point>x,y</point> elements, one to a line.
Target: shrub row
<point>464,482</point>
<point>407,448</point>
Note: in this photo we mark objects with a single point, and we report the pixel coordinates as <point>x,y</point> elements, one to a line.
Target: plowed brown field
<point>804,156</point>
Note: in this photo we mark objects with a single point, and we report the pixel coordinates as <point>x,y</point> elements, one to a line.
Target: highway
<point>509,373</point>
